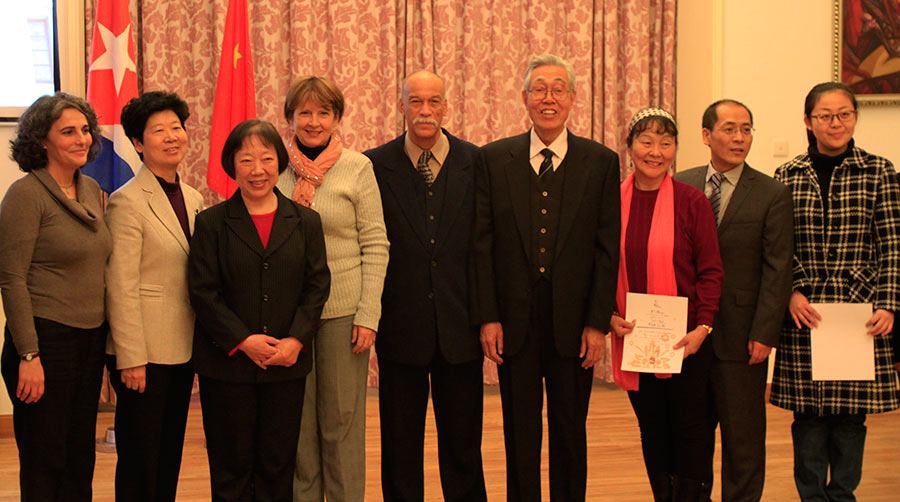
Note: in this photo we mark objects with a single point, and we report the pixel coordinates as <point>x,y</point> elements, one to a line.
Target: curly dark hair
<point>34,125</point>
<point>137,111</point>
<point>262,130</point>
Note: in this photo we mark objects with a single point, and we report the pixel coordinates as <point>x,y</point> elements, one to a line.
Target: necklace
<point>67,188</point>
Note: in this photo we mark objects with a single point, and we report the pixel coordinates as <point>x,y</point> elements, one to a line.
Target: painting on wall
<point>867,48</point>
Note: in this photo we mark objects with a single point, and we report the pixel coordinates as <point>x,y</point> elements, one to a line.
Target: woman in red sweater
<point>669,246</point>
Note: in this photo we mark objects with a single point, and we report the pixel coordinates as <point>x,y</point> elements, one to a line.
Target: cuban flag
<point>112,82</point>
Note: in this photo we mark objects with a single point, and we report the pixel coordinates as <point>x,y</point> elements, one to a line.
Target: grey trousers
<point>331,452</point>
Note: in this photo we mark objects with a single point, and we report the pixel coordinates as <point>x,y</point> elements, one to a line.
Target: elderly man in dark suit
<point>425,178</point>
<point>545,254</point>
<point>754,213</point>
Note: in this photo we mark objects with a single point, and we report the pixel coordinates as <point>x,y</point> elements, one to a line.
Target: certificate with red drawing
<point>660,322</point>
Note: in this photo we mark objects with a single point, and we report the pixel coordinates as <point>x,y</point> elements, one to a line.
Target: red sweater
<point>698,267</point>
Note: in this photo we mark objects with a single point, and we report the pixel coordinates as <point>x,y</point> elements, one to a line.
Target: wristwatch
<point>28,356</point>
<point>707,328</point>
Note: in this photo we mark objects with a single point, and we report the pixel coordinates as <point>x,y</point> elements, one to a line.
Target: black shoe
<point>690,490</point>
<point>661,484</point>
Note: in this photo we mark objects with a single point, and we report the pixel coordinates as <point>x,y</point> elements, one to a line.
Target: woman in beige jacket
<point>151,219</point>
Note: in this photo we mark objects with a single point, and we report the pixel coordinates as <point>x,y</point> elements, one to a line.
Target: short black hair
<point>710,116</point>
<point>658,123</point>
<point>27,148</point>
<point>262,130</point>
<point>136,112</point>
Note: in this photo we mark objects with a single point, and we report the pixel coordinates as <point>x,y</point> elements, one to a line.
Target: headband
<point>648,112</point>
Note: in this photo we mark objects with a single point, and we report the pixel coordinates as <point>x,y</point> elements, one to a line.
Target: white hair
<point>550,60</point>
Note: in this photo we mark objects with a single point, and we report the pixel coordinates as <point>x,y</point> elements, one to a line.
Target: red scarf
<point>660,265</point>
<point>311,173</point>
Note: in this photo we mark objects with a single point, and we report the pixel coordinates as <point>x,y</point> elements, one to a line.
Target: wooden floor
<point>615,471</point>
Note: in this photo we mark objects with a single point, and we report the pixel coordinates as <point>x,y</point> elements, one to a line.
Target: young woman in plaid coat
<point>846,249</point>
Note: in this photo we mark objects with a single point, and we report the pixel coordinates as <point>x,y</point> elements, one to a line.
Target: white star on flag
<point>116,57</point>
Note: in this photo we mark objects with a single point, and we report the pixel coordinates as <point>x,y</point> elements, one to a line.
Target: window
<point>27,33</point>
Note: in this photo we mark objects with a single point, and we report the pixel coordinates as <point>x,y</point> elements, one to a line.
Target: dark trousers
<point>150,431</point>
<point>739,394</point>
<point>674,415</point>
<point>522,379</point>
<point>251,438</point>
<point>55,435</point>
<point>457,394</point>
<point>834,442</point>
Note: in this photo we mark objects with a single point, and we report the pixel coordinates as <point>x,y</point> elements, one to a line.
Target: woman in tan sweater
<point>53,250</point>
<point>340,185</point>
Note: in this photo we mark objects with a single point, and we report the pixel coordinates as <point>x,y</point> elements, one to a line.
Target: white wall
<point>699,76</point>
<point>772,53</point>
<point>767,54</point>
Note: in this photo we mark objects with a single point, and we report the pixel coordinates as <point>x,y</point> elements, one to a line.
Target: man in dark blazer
<point>425,178</point>
<point>545,258</point>
<point>756,245</point>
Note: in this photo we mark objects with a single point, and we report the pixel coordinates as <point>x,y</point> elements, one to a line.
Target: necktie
<point>424,170</point>
<point>547,164</point>
<point>715,196</point>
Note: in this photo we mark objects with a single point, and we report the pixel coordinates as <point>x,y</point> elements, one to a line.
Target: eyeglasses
<point>731,130</point>
<point>540,93</point>
<point>844,116</point>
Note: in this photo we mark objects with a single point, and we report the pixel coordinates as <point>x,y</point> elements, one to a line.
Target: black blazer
<point>587,247</point>
<point>239,288</point>
<point>756,242</point>
<point>425,300</point>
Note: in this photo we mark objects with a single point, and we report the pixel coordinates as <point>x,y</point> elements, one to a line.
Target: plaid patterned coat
<point>853,255</point>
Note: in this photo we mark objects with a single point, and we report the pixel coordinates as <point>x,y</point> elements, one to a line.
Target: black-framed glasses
<point>844,116</point>
<point>540,93</point>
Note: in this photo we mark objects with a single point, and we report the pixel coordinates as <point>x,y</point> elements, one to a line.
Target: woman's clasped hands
<point>266,351</point>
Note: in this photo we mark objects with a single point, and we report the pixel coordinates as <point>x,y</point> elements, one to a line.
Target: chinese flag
<point>235,93</point>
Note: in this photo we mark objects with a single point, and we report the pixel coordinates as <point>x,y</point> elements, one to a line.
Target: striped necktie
<point>424,170</point>
<point>547,164</point>
<point>715,196</point>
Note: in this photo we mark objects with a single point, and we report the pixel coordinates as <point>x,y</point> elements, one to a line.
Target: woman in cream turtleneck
<point>340,185</point>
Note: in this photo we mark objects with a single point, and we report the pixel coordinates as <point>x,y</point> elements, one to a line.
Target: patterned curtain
<point>623,52</point>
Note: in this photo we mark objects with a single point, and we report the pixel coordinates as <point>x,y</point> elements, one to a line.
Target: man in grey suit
<point>754,214</point>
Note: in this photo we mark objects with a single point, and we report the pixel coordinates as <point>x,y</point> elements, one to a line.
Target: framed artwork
<point>866,45</point>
